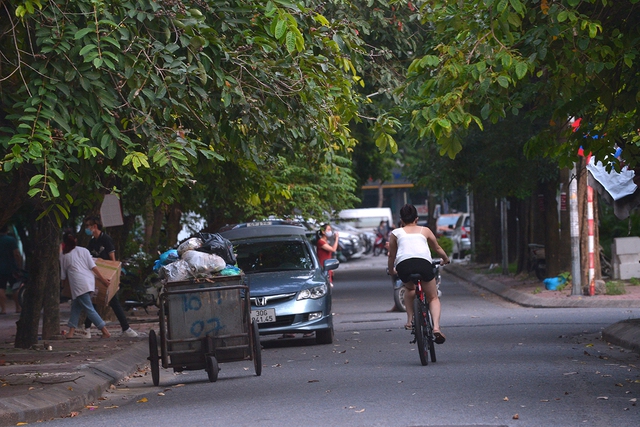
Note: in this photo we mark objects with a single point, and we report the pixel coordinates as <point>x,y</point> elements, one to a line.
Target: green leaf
<point>88,48</point>
<point>521,70</point>
<point>281,27</point>
<point>35,180</point>
<point>503,81</point>
<point>83,32</point>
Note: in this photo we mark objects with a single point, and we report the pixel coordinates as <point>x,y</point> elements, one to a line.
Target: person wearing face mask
<point>326,245</point>
<point>101,246</point>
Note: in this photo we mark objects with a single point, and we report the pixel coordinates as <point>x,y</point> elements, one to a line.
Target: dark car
<point>290,291</point>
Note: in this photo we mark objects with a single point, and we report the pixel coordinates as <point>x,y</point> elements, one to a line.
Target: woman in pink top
<point>409,253</point>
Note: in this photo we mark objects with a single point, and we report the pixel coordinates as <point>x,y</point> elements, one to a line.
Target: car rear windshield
<point>255,257</point>
<point>445,221</point>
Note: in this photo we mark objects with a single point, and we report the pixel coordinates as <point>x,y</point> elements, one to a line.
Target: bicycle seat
<point>415,277</point>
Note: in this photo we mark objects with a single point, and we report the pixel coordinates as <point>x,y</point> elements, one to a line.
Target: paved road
<point>502,365</point>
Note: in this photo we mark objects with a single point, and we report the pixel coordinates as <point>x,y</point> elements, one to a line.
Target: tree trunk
<point>552,241</point>
<point>13,193</point>
<point>43,286</point>
<point>173,224</point>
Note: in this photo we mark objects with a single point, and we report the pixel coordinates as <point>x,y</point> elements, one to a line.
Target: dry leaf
<point>160,394</point>
<point>143,400</point>
<point>70,388</point>
<point>506,399</point>
<point>110,407</point>
<point>360,411</point>
<point>73,414</point>
<point>179,385</point>
<point>589,345</point>
<point>21,424</point>
<point>32,388</point>
<point>603,398</point>
<point>516,417</point>
<point>619,385</point>
<point>570,373</point>
<point>544,400</point>
<point>91,407</point>
<point>633,400</point>
<point>277,365</point>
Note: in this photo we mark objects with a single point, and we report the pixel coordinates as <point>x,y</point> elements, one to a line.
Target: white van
<point>366,218</point>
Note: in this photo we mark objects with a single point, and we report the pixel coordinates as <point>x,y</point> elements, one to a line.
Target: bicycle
<point>422,321</point>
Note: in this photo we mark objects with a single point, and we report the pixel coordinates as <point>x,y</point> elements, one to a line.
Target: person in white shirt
<point>78,267</point>
<point>409,253</point>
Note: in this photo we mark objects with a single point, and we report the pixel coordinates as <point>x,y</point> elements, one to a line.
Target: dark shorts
<point>415,266</point>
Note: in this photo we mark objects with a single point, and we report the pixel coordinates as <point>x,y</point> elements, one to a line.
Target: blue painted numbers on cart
<point>191,302</point>
<point>206,327</point>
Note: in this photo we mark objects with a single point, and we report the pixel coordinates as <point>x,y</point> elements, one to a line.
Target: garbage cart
<point>204,322</point>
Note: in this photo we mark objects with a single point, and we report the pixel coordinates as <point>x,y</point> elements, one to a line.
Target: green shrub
<point>615,288</point>
<point>537,291</point>
<point>446,243</point>
<point>634,281</point>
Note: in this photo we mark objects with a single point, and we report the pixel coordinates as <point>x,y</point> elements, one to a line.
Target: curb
<point>61,399</point>
<point>624,334</point>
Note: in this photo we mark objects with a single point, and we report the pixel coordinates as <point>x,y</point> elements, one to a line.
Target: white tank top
<point>411,245</point>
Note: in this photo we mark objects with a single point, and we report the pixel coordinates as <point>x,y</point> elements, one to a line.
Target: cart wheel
<point>257,350</point>
<point>212,368</point>
<point>154,359</point>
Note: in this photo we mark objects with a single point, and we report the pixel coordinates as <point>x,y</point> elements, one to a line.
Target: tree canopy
<point>557,60</point>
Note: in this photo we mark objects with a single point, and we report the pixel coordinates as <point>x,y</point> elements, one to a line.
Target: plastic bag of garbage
<point>189,244</point>
<point>201,263</point>
<point>230,270</point>
<point>166,258</point>
<point>176,271</point>
<point>552,283</point>
<point>214,243</point>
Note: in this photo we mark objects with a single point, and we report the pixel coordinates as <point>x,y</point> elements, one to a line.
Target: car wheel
<point>324,336</point>
<point>398,297</point>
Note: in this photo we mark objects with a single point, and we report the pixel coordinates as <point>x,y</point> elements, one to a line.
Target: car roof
<point>258,229</point>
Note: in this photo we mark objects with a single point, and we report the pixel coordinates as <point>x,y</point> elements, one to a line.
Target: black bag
<point>214,243</point>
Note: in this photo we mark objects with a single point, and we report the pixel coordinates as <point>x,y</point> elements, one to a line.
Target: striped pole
<point>592,267</point>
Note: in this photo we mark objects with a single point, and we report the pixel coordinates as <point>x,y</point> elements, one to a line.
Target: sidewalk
<point>59,377</point>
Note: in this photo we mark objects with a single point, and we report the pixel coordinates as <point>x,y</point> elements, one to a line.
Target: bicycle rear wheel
<point>429,337</point>
<point>420,329</point>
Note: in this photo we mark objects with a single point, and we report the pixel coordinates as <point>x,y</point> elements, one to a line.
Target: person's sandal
<point>439,337</point>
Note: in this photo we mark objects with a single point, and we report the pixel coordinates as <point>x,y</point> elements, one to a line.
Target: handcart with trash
<point>205,313</point>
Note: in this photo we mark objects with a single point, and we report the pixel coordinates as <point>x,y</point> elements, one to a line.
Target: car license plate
<point>265,315</point>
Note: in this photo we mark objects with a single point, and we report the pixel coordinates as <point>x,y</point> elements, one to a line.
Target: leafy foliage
<point>557,59</point>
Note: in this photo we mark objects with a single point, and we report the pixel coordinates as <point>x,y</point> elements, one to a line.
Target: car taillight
<point>464,232</point>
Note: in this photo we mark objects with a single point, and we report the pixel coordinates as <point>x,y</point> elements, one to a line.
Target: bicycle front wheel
<point>419,320</point>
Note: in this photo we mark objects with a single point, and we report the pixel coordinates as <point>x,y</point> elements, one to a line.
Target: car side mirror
<point>330,264</point>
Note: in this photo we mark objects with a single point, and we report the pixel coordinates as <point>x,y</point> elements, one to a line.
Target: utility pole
<point>576,274</point>
<point>505,236</point>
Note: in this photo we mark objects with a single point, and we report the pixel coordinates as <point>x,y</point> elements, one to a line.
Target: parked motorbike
<point>380,244</point>
<point>399,290</point>
<point>537,263</point>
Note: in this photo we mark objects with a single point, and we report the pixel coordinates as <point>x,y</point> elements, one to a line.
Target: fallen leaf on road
<point>70,388</point>
<point>516,417</point>
<point>603,398</point>
<point>619,385</point>
<point>91,407</point>
<point>633,400</point>
<point>21,424</point>
<point>179,385</point>
<point>589,345</point>
<point>570,373</point>
<point>360,411</point>
<point>161,394</point>
<point>143,400</point>
<point>110,407</point>
<point>544,400</point>
<point>73,414</point>
<point>277,365</point>
<point>506,399</point>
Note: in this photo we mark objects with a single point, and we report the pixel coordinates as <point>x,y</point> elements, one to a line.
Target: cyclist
<point>409,253</point>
